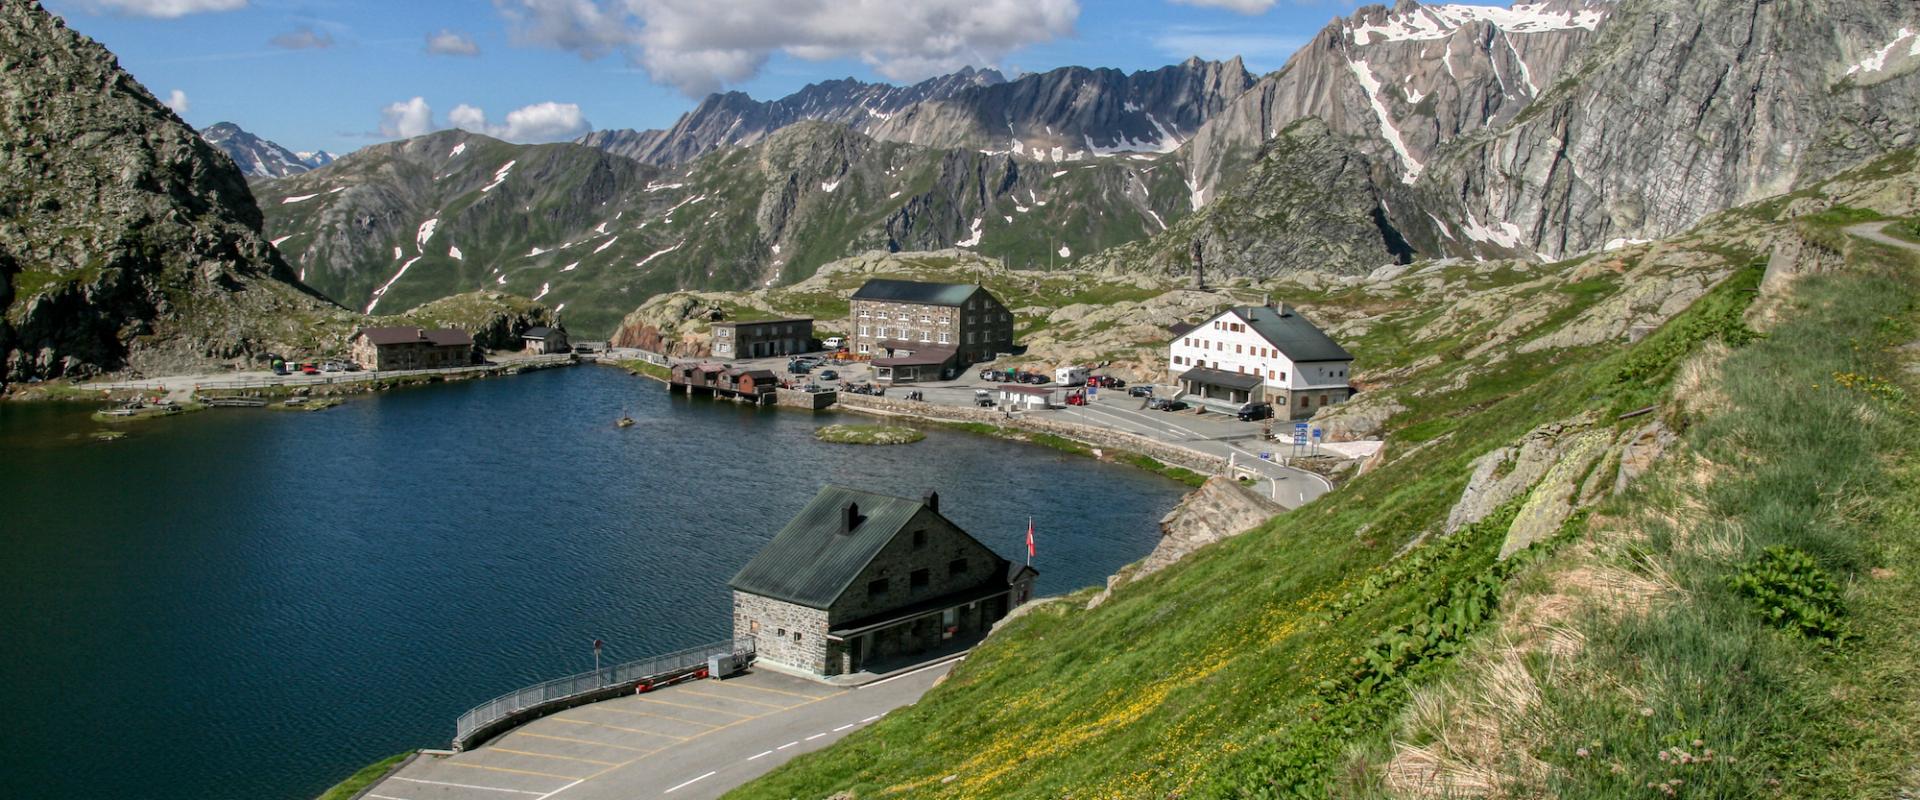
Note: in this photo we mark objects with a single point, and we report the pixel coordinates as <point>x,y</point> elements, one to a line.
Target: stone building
<point>1260,353</point>
<point>774,337</point>
<point>410,348</point>
<point>861,579</point>
<point>544,340</point>
<point>927,331</point>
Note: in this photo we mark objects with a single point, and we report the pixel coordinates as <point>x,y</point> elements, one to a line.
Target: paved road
<point>693,741</point>
<point>1877,232</point>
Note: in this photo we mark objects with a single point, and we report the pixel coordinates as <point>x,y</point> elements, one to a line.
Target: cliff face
<point>1684,107</point>
<point>124,237</point>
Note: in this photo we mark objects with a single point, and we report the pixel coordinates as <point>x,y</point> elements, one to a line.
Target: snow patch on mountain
<point>607,244</point>
<point>829,186</point>
<point>458,149</point>
<point>570,267</point>
<point>1370,83</point>
<point>500,176</point>
<point>974,239</point>
<point>1504,234</point>
<point>1877,61</point>
<point>382,291</point>
<point>426,232</point>
<point>276,242</point>
<point>455,254</point>
<point>1439,22</point>
<point>544,288</point>
<point>643,262</point>
<point>298,199</point>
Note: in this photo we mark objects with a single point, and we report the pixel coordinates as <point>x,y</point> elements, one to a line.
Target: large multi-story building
<point>1260,354</point>
<point>927,331</point>
<point>773,337</point>
<point>859,580</point>
<point>410,348</point>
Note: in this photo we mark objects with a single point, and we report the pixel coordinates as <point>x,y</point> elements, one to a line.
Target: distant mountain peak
<point>260,158</point>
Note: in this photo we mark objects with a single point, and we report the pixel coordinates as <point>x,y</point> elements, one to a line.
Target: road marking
<point>562,789</point>
<point>584,741</point>
<point>699,708</point>
<point>762,754</point>
<point>690,738</point>
<point>688,783</point>
<point>497,749</point>
<point>464,785</point>
<point>383,796</point>
<point>800,695</point>
<point>785,746</point>
<point>513,771</point>
<point>872,718</point>
<point>736,699</point>
<point>662,716</point>
<point>619,728</point>
<point>815,736</point>
<point>843,727</point>
<point>956,660</point>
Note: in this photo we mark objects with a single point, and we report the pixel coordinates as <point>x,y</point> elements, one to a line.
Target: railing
<point>336,379</point>
<point>561,690</point>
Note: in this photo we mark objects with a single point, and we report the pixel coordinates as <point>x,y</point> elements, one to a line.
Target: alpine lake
<point>241,604</point>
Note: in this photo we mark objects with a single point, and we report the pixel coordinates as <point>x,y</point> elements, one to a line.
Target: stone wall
<point>814,401</point>
<point>792,635</point>
<point>943,544</point>
<point>1043,422</point>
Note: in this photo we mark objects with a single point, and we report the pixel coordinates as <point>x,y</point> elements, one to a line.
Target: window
<point>1239,349</point>
<point>957,566</point>
<point>753,627</point>
<point>918,579</point>
<point>796,637</point>
<point>882,315</point>
<point>1272,375</point>
<point>781,632</point>
<point>926,336</point>
<point>863,348</point>
<point>877,588</point>
<point>945,337</point>
<point>919,539</point>
<point>926,319</point>
<point>1283,376</point>
<point>864,329</point>
<point>863,312</point>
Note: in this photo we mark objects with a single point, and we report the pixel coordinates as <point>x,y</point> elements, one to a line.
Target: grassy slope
<point>1804,440</point>
<point>1224,675</point>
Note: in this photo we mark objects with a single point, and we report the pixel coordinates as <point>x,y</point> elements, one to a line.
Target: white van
<point>1071,376</point>
<point>832,343</point>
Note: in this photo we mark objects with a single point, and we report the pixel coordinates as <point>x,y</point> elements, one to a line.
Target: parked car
<point>1140,391</point>
<point>1167,404</point>
<point>1256,411</point>
<point>983,398</point>
<point>1070,376</point>
<point>1034,378</point>
<point>1077,399</point>
<point>799,367</point>
<point>829,375</point>
<point>309,369</point>
<point>331,366</point>
<point>811,388</point>
<point>1106,382</point>
<point>993,375</point>
<point>833,343</point>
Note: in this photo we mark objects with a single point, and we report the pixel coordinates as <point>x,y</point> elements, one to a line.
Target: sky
<point>338,75</point>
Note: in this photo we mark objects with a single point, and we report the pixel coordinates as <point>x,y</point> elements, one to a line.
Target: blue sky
<point>317,74</point>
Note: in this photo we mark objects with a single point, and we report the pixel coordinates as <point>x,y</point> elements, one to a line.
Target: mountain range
<point>260,158</point>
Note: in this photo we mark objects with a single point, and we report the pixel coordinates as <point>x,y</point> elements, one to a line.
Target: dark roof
<point>738,323</point>
<point>537,333</point>
<point>756,374</point>
<point>932,294</point>
<point>922,356</point>
<point>1298,338</point>
<point>399,335</point>
<point>811,561</point>
<point>1181,328</point>
<point>1219,377</point>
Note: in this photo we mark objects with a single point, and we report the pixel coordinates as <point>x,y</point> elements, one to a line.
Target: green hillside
<point>1355,647</point>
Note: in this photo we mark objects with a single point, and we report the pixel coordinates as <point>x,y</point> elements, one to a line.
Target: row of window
<point>1241,349</point>
<point>1234,327</point>
<point>916,580</point>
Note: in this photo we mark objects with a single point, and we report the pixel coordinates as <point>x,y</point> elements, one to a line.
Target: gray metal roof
<point>932,294</point>
<point>1220,377</point>
<point>1298,338</point>
<point>811,560</point>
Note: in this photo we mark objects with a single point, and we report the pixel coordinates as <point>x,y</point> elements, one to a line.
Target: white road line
<point>872,718</point>
<point>885,681</point>
<point>562,789</point>
<point>785,746</point>
<point>763,754</point>
<point>842,728</point>
<point>469,786</point>
<point>688,783</point>
<point>383,796</point>
<point>815,736</point>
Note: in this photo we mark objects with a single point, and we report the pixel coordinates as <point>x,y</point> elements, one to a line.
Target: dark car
<point>1256,411</point>
<point>1107,382</point>
<point>1034,378</point>
<point>829,375</point>
<point>1167,404</point>
<point>1140,391</point>
<point>799,368</point>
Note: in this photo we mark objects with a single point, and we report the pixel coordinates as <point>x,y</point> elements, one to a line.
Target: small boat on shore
<point>624,421</point>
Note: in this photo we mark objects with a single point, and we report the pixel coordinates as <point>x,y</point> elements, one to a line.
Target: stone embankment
<point>1220,509</point>
<point>1104,438</point>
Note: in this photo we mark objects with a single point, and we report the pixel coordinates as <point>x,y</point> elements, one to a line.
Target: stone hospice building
<point>915,330</point>
<point>1251,354</point>
<point>859,578</point>
<point>773,337</point>
<point>410,348</point>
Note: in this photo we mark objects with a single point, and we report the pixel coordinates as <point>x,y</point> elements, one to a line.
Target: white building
<point>1255,353</point>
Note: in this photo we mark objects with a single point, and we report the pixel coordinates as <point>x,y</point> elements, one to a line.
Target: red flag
<point>1029,538</point>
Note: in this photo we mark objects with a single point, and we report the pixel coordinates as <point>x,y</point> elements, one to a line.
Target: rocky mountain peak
<point>257,157</point>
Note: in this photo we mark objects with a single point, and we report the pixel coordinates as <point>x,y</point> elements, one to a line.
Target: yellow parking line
<point>800,695</point>
<point>514,771</point>
<point>735,699</point>
<point>619,728</point>
<point>661,716</point>
<point>597,763</point>
<point>584,741</point>
<point>696,708</point>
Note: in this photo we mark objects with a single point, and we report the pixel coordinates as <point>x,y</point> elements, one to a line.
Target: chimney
<point>1286,310</point>
<point>852,518</point>
<point>1266,300</point>
<point>932,501</point>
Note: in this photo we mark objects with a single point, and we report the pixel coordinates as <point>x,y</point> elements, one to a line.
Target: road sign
<point>1317,433</point>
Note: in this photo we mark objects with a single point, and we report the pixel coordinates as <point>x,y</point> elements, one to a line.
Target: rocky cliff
<point>1680,108</point>
<point>125,239</point>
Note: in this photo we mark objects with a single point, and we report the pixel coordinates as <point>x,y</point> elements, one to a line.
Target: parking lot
<point>693,740</point>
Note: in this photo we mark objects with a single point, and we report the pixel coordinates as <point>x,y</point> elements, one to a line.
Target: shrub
<point>1792,592</point>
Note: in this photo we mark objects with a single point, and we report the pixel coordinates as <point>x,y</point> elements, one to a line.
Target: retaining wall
<point>1043,422</point>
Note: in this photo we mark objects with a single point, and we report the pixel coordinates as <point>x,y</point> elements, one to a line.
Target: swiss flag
<point>1029,537</point>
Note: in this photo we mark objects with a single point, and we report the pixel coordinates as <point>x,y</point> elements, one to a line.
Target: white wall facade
<point>1227,343</point>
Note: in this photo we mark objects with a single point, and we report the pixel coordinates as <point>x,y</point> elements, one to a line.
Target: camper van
<point>1070,376</point>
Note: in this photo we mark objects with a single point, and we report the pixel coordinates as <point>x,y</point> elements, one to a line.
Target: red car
<point>309,369</point>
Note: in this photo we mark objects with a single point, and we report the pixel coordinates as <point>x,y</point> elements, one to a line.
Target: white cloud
<point>407,119</point>
<point>165,9</point>
<point>1242,6</point>
<point>540,122</point>
<point>177,100</point>
<point>701,45</point>
<point>303,38</point>
<point>447,42</point>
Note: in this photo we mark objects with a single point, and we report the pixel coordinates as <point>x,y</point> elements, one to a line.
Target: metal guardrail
<point>572,686</point>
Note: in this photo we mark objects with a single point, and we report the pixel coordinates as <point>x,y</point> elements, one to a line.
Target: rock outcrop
<point>125,239</point>
<point>1220,509</point>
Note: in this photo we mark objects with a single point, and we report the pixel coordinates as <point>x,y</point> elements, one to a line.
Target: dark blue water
<point>244,604</point>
